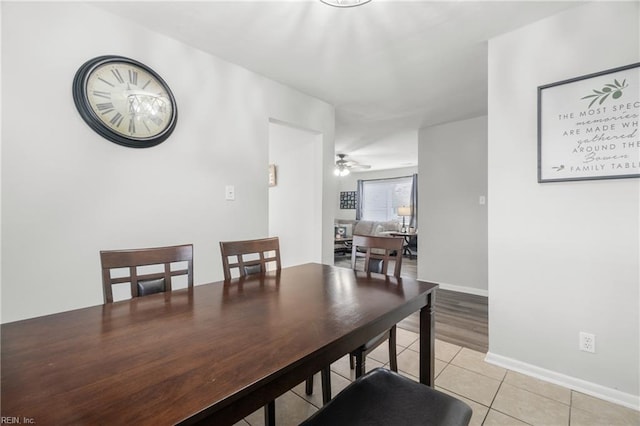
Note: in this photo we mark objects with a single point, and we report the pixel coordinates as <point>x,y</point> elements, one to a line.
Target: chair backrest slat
<point>377,253</point>
<point>241,249</point>
<point>134,258</point>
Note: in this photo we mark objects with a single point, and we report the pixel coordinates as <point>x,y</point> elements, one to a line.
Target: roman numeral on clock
<point>133,77</point>
<point>105,107</point>
<point>117,119</point>
<point>105,81</point>
<point>100,94</point>
<point>116,74</point>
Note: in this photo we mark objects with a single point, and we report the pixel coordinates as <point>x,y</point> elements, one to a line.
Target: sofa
<point>345,229</point>
<point>364,227</point>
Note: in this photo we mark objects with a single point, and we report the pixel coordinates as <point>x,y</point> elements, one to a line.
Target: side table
<point>407,239</point>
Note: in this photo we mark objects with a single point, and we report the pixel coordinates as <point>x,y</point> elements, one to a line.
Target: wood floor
<point>461,318</point>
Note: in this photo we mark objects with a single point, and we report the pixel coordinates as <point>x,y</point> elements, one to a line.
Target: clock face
<point>124,101</point>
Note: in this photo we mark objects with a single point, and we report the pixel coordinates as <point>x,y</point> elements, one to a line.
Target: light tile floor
<point>497,396</point>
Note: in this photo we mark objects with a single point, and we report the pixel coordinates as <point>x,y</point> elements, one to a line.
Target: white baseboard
<point>588,388</point>
<point>461,289</point>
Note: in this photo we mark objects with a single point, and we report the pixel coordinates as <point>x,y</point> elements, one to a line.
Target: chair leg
<point>325,374</point>
<point>270,414</point>
<point>393,356</point>
<point>309,386</point>
<point>360,363</point>
<point>351,361</point>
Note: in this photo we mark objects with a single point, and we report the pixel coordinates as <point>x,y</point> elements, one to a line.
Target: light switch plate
<point>230,192</point>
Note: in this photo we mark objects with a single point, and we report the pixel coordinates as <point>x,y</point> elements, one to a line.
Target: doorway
<point>295,201</point>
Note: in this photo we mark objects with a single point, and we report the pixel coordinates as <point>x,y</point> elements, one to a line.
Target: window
<point>381,198</point>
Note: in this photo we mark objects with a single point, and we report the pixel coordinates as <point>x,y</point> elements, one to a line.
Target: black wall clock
<point>125,101</point>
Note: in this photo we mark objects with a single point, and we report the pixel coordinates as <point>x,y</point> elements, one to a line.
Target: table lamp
<point>404,211</point>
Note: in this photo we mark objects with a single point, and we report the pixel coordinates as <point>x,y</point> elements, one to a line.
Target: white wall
<point>295,203</point>
<point>350,183</point>
<point>452,159</point>
<point>68,193</point>
<point>563,257</point>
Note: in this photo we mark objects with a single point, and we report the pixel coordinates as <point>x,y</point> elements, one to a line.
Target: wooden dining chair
<point>254,257</point>
<point>378,253</point>
<point>133,262</point>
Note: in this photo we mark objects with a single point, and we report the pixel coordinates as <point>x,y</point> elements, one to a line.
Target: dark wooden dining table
<point>211,354</point>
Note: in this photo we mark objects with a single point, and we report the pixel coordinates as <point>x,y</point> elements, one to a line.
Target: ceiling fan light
<point>341,170</point>
<point>345,3</point>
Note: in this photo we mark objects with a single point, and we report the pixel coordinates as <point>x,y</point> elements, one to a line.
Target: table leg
<point>270,414</point>
<point>325,374</point>
<point>309,386</point>
<point>427,341</point>
<point>360,364</point>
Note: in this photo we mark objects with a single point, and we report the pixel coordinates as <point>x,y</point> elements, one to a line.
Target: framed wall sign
<point>588,126</point>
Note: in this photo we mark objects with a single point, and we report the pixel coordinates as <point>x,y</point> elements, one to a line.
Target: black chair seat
<point>382,398</point>
<point>375,342</point>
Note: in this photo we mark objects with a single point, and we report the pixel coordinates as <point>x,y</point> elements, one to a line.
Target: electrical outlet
<point>587,342</point>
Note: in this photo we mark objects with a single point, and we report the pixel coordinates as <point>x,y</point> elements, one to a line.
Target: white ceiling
<point>389,67</point>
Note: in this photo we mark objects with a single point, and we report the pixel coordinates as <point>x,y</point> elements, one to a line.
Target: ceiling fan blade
<point>349,164</point>
<point>359,167</point>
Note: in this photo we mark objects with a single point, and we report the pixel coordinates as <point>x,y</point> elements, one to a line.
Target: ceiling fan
<point>344,167</point>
